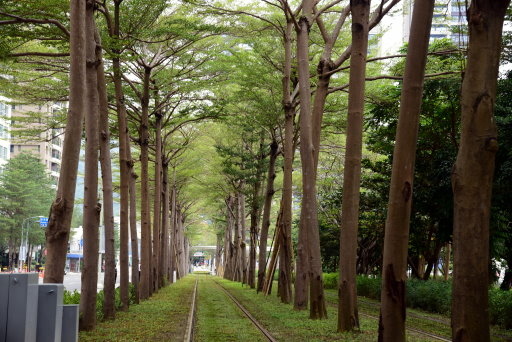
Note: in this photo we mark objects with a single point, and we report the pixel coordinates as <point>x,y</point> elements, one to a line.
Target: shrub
<point>500,307</point>
<point>433,296</point>
<point>331,280</point>
<point>430,295</point>
<point>369,287</point>
<point>71,297</point>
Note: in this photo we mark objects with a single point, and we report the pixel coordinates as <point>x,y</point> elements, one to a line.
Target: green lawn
<point>164,318</point>
<point>161,318</point>
<point>218,318</point>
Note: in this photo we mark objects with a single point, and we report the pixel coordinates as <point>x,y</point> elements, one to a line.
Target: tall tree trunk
<point>243,249</point>
<point>109,281</point>
<point>348,317</point>
<point>164,240</point>
<point>145,282</point>
<point>285,252</point>
<point>172,228</point>
<point>133,231</point>
<point>92,208</point>
<point>473,172</point>
<point>230,241</point>
<point>446,261</point>
<point>57,232</point>
<point>253,231</point>
<point>219,270</point>
<point>265,224</point>
<point>157,203</point>
<point>124,161</point>
<point>392,316</point>
<point>236,238</point>
<point>309,259</point>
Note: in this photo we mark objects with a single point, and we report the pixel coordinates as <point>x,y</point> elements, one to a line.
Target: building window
<point>12,148</point>
<point>3,152</point>
<point>3,109</point>
<point>55,167</point>
<point>56,154</point>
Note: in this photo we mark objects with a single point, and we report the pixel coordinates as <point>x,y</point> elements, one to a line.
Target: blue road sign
<point>43,221</point>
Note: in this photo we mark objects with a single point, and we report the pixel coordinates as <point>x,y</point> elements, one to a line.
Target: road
<point>73,281</point>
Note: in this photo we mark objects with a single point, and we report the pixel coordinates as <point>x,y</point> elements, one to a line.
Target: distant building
<point>449,21</point>
<point>46,143</point>
<point>5,115</point>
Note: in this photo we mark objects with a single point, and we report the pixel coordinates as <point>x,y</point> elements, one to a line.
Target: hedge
<point>432,295</point>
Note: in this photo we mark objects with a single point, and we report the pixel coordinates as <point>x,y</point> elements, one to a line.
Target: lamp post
<point>24,241</point>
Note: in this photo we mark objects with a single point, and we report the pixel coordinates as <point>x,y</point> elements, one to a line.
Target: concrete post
<point>22,310</point>
<point>49,313</point>
<point>70,323</point>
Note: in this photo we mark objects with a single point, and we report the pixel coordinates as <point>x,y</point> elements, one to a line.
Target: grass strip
<point>286,324</point>
<point>218,318</point>
<point>163,317</point>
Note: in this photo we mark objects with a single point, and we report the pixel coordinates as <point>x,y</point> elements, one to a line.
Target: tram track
<point>247,314</point>
<point>189,333</point>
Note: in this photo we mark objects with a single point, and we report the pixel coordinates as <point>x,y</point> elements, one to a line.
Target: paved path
<point>73,281</point>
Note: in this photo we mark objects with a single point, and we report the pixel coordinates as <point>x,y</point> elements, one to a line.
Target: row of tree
<point>172,69</point>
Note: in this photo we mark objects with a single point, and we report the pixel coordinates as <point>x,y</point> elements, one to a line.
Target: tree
<point>392,316</point>
<point>473,172</point>
<point>57,233</point>
<point>92,208</point>
<point>348,317</point>
<point>309,267</point>
<point>25,193</point>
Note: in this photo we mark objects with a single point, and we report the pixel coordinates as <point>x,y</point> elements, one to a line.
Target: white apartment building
<point>449,21</point>
<point>5,115</point>
<point>46,143</point>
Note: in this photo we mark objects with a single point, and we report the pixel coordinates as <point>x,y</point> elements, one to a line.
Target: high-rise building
<point>44,142</point>
<point>449,21</point>
<point>5,114</point>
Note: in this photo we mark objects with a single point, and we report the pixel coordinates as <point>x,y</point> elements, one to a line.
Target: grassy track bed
<point>416,319</point>
<point>218,318</point>
<point>285,324</point>
<point>161,318</point>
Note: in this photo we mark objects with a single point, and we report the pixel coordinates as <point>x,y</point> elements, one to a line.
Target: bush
<point>74,298</point>
<point>369,287</point>
<point>430,295</point>
<point>500,307</point>
<point>331,280</point>
<point>71,297</point>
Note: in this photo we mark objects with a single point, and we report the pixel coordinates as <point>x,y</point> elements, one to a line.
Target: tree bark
<point>92,208</point>
<point>57,232</point>
<point>348,316</point>
<point>309,265</point>
<point>392,316</point>
<point>253,231</point>
<point>473,172</point>
<point>124,161</point>
<point>133,230</point>
<point>446,261</point>
<point>285,252</point>
<point>243,249</point>
<point>172,245</point>
<point>109,282</point>
<point>145,282</point>
<point>157,203</point>
<point>164,240</point>
<point>265,222</point>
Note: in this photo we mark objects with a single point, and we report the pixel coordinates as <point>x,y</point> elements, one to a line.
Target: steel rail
<point>189,333</point>
<point>258,325</point>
